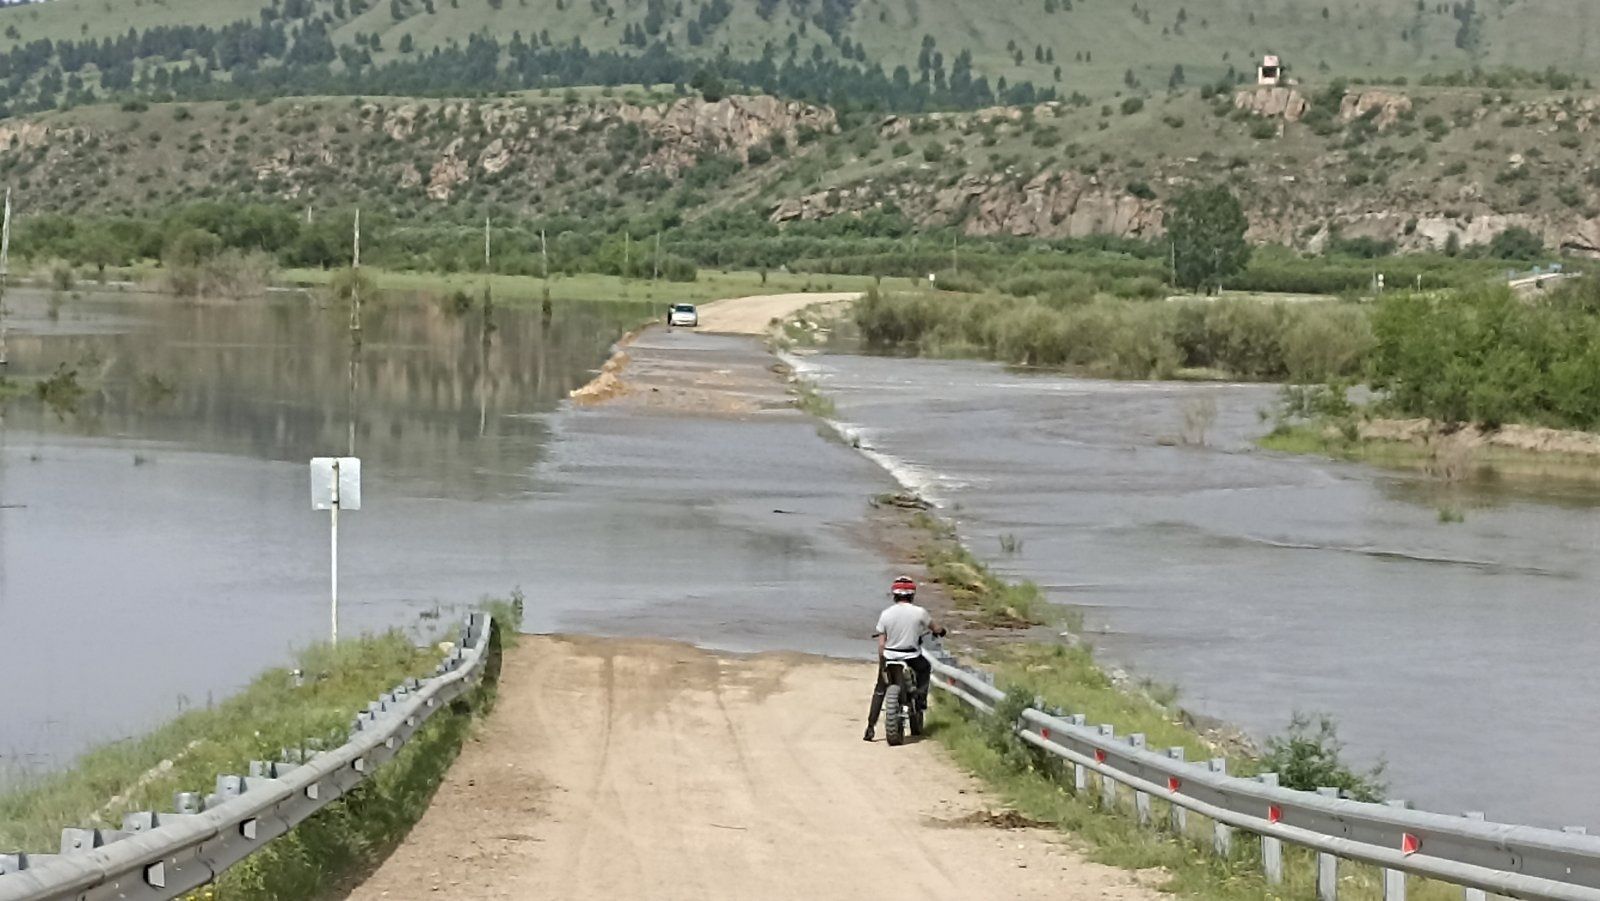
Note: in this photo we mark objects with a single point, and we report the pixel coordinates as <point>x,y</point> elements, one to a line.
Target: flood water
<point>1262,584</point>
<point>158,547</point>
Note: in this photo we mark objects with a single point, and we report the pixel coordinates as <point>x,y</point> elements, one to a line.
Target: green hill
<point>1096,47</point>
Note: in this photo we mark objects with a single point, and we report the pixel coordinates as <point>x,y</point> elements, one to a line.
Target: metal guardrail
<point>1515,861</point>
<point>166,855</point>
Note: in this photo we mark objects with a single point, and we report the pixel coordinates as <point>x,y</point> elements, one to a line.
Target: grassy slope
<point>1356,39</point>
<point>153,157</point>
<point>253,725</point>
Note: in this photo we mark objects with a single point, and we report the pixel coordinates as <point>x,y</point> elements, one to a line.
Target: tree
<point>1206,227</point>
<point>1516,243</point>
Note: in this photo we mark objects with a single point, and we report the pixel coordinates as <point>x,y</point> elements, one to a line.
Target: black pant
<point>919,665</point>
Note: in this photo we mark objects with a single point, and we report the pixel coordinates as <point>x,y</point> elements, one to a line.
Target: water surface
<point>158,547</point>
<point>1262,584</point>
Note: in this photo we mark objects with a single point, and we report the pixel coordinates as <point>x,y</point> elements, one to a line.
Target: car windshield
<point>683,308</point>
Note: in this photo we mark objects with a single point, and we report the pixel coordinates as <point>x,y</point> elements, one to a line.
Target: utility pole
<point>488,270</point>
<point>355,370</point>
<point>544,253</point>
<point>5,273</point>
<point>655,263</point>
<point>955,263</point>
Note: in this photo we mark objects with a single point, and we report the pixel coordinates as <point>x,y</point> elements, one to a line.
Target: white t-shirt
<point>903,624</point>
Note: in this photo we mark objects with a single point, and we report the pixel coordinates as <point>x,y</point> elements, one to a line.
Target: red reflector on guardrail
<point>1045,731</point>
<point>1409,844</point>
<point>1099,756</point>
<point>1274,813</point>
<point>1174,783</point>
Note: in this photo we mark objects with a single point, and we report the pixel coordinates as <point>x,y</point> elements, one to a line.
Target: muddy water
<point>157,546</point>
<point>1262,584</point>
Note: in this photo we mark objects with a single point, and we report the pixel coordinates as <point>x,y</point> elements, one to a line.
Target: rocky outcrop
<point>16,135</point>
<point>1384,107</point>
<point>1049,205</point>
<point>1272,103</point>
<point>690,127</point>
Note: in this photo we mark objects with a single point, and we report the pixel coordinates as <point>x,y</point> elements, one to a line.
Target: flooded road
<point>158,549</point>
<point>1262,584</point>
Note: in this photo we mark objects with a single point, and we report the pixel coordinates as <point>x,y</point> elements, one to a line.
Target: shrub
<point>1517,243</point>
<point>1309,756</point>
<point>1132,105</point>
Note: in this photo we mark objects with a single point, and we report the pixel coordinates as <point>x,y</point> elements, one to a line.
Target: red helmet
<point>903,587</point>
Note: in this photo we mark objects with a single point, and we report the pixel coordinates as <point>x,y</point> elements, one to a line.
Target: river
<point>157,543</point>
<point>1261,584</point>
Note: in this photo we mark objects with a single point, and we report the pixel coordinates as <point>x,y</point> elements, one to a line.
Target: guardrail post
<point>1394,881</point>
<point>1141,800</point>
<point>1080,774</point>
<point>1179,816</point>
<point>1108,785</point>
<point>1271,848</point>
<point>1474,894</point>
<point>1221,834</point>
<point>1327,864</point>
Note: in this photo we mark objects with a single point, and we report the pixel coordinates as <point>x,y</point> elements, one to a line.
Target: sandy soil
<point>629,769</point>
<point>754,315</point>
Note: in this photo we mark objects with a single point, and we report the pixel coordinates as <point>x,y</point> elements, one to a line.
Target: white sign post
<point>335,484</point>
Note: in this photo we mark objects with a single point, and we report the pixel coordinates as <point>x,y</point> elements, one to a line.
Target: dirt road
<point>634,769</point>
<point>752,315</point>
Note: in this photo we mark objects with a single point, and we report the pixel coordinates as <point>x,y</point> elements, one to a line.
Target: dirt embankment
<point>631,769</point>
<point>1519,438</point>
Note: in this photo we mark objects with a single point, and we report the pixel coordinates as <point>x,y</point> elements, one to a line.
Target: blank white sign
<point>336,480</point>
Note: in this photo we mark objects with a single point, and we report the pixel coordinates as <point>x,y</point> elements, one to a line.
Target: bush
<point>933,152</point>
<point>1486,357</point>
<point>1132,105</point>
<point>1309,757</point>
<point>1517,243</point>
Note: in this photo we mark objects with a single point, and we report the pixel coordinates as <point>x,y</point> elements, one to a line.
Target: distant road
<point>752,315</point>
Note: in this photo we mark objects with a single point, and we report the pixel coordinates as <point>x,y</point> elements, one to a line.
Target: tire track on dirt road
<point>531,810</point>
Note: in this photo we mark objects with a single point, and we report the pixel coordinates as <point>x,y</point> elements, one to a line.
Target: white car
<point>683,314</point>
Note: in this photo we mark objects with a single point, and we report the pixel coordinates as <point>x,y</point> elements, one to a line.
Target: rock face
<point>1272,103</point>
<point>1386,107</point>
<point>1049,205</point>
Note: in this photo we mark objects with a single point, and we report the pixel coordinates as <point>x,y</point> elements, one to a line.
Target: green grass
<point>991,601</point>
<point>809,400</point>
<point>1040,789</point>
<point>268,715</point>
<point>512,289</point>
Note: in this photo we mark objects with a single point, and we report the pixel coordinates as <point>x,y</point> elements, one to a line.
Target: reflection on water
<point>1263,583</point>
<point>272,380</point>
<point>157,545</point>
